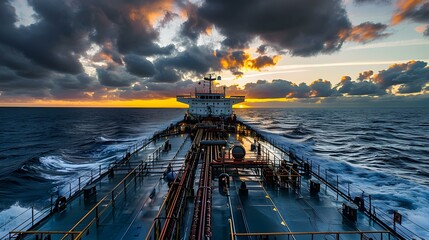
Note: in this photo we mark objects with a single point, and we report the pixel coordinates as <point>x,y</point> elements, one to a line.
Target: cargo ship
<point>210,176</point>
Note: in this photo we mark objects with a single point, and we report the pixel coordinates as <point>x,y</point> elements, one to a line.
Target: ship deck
<point>130,204</point>
<point>136,202</point>
<point>284,212</point>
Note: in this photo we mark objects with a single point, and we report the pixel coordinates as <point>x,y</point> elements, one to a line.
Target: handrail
<point>45,232</point>
<point>111,193</point>
<point>308,233</point>
<point>401,231</point>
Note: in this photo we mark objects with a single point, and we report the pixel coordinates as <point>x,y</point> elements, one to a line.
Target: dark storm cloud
<point>139,66</point>
<point>196,59</point>
<point>411,77</point>
<point>166,76</point>
<point>321,88</point>
<point>73,87</point>
<point>54,41</point>
<point>112,78</point>
<point>303,27</point>
<point>125,23</point>
<point>22,66</point>
<point>264,89</point>
<point>285,89</point>
<point>46,54</point>
<point>194,25</point>
<point>157,90</point>
<point>64,30</point>
<point>77,82</point>
<point>349,87</point>
<point>372,1</point>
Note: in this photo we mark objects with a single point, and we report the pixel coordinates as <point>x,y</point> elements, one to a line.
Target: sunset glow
<point>143,54</point>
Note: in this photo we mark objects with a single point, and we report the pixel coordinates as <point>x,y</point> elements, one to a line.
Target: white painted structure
<point>210,104</point>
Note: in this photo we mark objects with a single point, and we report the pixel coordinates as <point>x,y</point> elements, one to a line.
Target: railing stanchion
<point>337,188</point>
<point>32,215</point>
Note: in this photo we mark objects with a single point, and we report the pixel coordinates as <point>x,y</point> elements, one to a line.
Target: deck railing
<point>31,216</point>
<point>361,235</point>
<point>342,187</point>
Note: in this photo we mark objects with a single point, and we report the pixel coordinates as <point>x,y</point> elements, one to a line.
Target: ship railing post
<point>318,170</point>
<point>370,204</point>
<point>52,202</point>
<point>326,179</point>
<point>32,215</point>
<point>96,215</point>
<point>70,190</point>
<point>91,175</point>
<point>337,188</point>
<point>79,183</point>
<point>99,170</point>
<point>348,190</point>
<point>113,198</point>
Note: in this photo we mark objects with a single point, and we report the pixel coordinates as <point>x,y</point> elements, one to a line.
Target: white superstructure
<point>210,103</point>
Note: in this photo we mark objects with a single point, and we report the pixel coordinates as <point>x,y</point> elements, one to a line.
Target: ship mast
<point>211,77</point>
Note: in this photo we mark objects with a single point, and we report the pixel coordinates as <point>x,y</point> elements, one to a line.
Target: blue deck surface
<point>265,209</point>
<point>134,210</point>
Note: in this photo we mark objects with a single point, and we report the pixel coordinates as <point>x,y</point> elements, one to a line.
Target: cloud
<point>365,32</point>
<point>196,59</point>
<point>404,78</point>
<point>366,75</point>
<point>139,66</point>
<point>264,89</point>
<point>102,49</point>
<point>372,1</point>
<point>304,28</point>
<point>426,32</point>
<point>237,61</point>
<point>111,78</point>
<point>416,10</point>
<point>279,88</point>
<point>410,77</point>
<point>349,87</point>
<point>262,49</point>
<point>166,76</point>
<point>194,25</point>
<point>168,17</point>
<point>321,88</point>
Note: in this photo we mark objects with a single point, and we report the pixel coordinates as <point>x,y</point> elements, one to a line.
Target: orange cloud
<point>364,32</point>
<point>404,7</point>
<point>240,61</point>
<point>151,12</point>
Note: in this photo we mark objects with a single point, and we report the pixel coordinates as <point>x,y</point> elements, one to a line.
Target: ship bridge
<point>204,104</point>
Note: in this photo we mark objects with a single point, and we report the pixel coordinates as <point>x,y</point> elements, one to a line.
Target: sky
<point>142,53</point>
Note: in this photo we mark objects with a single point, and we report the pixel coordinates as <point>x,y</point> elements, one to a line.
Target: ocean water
<point>383,152</point>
